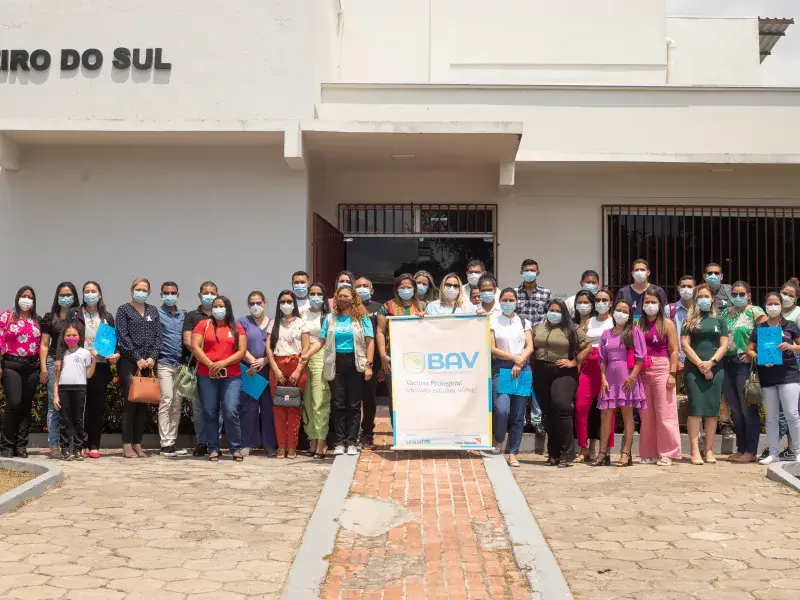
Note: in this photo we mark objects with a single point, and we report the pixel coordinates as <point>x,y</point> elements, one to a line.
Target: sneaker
<point>66,455</point>
<point>664,461</point>
<point>181,452</point>
<point>726,431</point>
<point>650,461</point>
<point>352,451</point>
<point>339,450</point>
<point>787,454</point>
<point>769,460</point>
<point>200,450</point>
<point>168,451</point>
<point>764,454</point>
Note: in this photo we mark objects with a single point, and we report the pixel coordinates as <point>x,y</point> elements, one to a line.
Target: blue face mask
<point>590,287</point>
<point>422,289</point>
<point>301,291</point>
<point>529,276</point>
<point>169,299</point>
<point>739,302</point>
<point>487,297</point>
<point>219,312</point>
<point>713,280</point>
<point>316,301</point>
<point>508,307</point>
<point>364,293</point>
<point>207,300</point>
<point>140,296</point>
<point>554,317</point>
<point>704,304</point>
<point>91,299</point>
<point>406,293</point>
<point>65,301</point>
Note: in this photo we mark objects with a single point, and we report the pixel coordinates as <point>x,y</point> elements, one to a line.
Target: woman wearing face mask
<point>343,279</point>
<point>20,337</point>
<point>704,338</point>
<point>256,418</point>
<point>138,343</point>
<point>559,349</point>
<point>452,300</point>
<point>741,318</point>
<point>780,382</point>
<point>789,295</point>
<point>64,309</point>
<point>288,340</point>
<point>621,386</point>
<point>660,439</point>
<point>426,290</point>
<point>348,339</point>
<point>512,345</point>
<point>489,304</point>
<point>318,398</point>
<point>94,313</point>
<point>219,345</point>
<point>592,316</point>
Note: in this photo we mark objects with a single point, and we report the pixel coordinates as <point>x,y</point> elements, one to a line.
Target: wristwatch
<point>713,360</point>
<point>370,363</point>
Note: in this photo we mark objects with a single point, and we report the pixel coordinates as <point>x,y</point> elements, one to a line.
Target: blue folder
<point>521,386</point>
<point>767,346</point>
<point>105,341</point>
<point>253,385</point>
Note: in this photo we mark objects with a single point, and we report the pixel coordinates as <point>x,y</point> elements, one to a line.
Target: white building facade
<point>240,142</point>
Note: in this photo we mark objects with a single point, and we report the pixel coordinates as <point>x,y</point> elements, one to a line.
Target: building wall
<point>249,59</point>
<point>232,215</point>
<point>714,51</point>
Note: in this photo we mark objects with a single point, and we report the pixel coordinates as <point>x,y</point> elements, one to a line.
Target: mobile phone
<point>221,374</point>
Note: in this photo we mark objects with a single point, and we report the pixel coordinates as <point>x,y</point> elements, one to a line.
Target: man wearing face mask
<point>632,294</point>
<point>169,361</point>
<point>207,295</point>
<point>475,270</point>
<point>300,281</point>
<point>365,290</point>
<point>722,292</point>
<point>590,282</point>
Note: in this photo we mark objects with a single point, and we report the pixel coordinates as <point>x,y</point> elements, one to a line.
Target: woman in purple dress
<point>621,387</point>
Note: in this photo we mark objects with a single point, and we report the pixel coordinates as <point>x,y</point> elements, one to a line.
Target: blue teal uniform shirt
<point>344,333</point>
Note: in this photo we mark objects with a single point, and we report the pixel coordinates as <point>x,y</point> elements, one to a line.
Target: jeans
<point>508,411</point>
<point>53,429</point>
<point>533,410</point>
<point>786,396</point>
<point>199,421</point>
<point>746,420</point>
<point>19,384</point>
<point>224,394</point>
<point>169,409</point>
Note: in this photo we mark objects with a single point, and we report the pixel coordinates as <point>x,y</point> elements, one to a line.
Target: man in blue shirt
<point>169,361</point>
<point>678,311</point>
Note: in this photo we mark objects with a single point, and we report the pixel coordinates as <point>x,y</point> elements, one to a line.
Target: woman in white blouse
<point>318,399</point>
<point>452,300</point>
<point>512,345</point>
<point>592,314</point>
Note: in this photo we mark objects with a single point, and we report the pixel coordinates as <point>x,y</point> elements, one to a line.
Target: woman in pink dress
<point>620,387</point>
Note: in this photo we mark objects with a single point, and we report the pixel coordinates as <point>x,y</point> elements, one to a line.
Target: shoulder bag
<point>144,390</point>
<point>287,397</point>
<point>186,378</point>
<point>753,394</point>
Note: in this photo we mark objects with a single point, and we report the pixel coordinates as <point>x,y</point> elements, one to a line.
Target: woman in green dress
<point>704,339</point>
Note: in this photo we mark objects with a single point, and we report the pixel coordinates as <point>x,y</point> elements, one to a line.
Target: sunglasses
<point>739,294</point>
<point>259,303</point>
<point>714,273</point>
<point>450,286</point>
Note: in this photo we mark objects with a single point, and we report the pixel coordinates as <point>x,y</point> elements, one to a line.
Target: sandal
<point>281,454</point>
<point>291,453</point>
<point>213,456</point>
<point>513,461</point>
<point>696,461</point>
<point>583,456</point>
<point>321,455</point>
<point>603,459</point>
<point>625,463</point>
<point>238,456</point>
<point>710,459</point>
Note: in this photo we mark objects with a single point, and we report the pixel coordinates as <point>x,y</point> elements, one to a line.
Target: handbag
<point>632,361</point>
<point>753,394</point>
<point>144,390</point>
<point>186,378</point>
<point>287,397</point>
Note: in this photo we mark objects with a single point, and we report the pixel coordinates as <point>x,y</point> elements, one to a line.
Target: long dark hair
<point>15,310</point>
<point>567,326</point>
<point>660,320</point>
<point>101,305</point>
<point>349,274</point>
<point>578,318</point>
<point>276,324</point>
<point>55,309</point>
<point>627,329</point>
<point>230,321</point>
<point>325,304</point>
<point>61,345</point>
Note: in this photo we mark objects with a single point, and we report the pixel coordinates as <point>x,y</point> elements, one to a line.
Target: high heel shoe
<point>625,463</point>
<point>603,459</point>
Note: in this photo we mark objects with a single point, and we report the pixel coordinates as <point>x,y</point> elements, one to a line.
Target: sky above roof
<point>780,69</point>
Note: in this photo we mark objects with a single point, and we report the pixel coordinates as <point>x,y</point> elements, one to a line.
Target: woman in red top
<point>219,344</point>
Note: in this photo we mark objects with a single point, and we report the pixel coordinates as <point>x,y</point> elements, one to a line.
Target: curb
<point>310,565</point>
<point>777,472</point>
<point>531,551</point>
<point>48,476</point>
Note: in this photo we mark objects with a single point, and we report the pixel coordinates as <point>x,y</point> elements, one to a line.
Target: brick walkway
<point>716,532</point>
<point>447,539</point>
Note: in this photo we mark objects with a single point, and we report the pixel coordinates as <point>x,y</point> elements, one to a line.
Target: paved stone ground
<point>711,532</point>
<point>161,529</point>
<point>422,526</point>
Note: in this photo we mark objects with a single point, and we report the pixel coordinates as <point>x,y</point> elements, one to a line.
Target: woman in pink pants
<point>660,435</point>
<point>592,314</point>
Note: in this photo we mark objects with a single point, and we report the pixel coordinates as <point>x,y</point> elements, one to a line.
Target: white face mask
<point>25,303</point>
<point>620,318</point>
<point>583,308</point>
<point>787,301</point>
<point>602,307</point>
<point>287,309</point>
<point>772,310</point>
<point>687,293</point>
<point>473,278</point>
<point>651,309</point>
<point>450,293</point>
<point>640,276</point>
<point>256,310</point>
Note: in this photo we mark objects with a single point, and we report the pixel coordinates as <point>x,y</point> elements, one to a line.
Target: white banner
<point>441,382</point>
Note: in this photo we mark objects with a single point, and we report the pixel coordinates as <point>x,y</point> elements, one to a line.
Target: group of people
<point>323,356</point>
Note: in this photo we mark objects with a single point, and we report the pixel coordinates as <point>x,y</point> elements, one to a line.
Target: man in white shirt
<point>300,282</point>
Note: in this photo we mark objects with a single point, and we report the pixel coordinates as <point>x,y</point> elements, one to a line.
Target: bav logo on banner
<point>441,382</point>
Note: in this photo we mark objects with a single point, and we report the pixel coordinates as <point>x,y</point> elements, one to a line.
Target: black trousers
<point>555,390</point>
<point>370,389</point>
<point>346,391</point>
<point>70,417</point>
<point>96,391</point>
<point>20,378</point>
<point>134,414</point>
